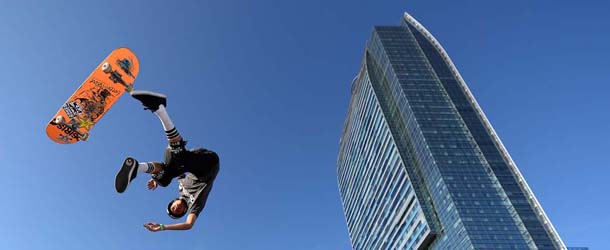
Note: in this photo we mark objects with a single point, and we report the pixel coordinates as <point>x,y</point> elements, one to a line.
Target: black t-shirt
<point>193,190</point>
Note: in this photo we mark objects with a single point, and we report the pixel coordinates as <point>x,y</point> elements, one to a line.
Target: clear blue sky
<point>266,84</point>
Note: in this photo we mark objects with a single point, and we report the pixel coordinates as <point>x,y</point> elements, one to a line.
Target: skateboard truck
<point>61,120</point>
<point>116,77</point>
<point>125,65</point>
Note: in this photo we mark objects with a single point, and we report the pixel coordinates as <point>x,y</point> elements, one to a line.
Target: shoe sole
<point>146,92</point>
<point>122,179</point>
<point>135,93</point>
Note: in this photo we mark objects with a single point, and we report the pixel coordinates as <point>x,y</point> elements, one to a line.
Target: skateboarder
<point>196,169</point>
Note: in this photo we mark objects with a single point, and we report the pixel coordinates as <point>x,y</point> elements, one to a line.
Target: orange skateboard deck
<point>110,79</point>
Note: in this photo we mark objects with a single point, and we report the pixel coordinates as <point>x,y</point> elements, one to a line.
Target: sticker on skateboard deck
<point>114,76</point>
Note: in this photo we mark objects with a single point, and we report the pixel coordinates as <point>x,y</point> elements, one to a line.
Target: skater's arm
<point>188,224</point>
<point>151,184</point>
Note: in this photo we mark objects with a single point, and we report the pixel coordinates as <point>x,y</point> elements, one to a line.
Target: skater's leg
<point>156,103</point>
<point>150,167</point>
<point>130,170</point>
<point>126,174</point>
<point>170,130</point>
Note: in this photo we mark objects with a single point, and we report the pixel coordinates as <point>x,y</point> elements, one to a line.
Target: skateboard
<point>114,76</point>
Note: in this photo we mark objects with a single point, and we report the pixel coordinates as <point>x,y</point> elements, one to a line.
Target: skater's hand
<point>152,184</point>
<point>153,226</point>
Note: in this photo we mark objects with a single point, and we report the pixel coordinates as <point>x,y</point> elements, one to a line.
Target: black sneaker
<point>150,100</point>
<point>128,172</point>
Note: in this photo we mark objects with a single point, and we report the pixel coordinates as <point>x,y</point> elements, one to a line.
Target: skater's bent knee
<point>158,167</point>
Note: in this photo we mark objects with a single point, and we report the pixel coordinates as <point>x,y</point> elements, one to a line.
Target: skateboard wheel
<point>129,161</point>
<point>106,67</point>
<point>60,119</point>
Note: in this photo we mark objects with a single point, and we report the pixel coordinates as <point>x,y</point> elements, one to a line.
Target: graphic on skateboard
<point>111,78</point>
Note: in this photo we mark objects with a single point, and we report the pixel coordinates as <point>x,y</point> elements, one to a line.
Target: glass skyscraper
<point>420,166</point>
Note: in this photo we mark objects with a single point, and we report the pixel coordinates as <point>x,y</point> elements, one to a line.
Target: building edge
<point>486,123</point>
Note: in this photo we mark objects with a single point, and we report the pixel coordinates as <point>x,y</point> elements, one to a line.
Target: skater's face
<point>178,207</point>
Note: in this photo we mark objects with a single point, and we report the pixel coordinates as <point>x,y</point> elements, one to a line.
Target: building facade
<point>420,166</point>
